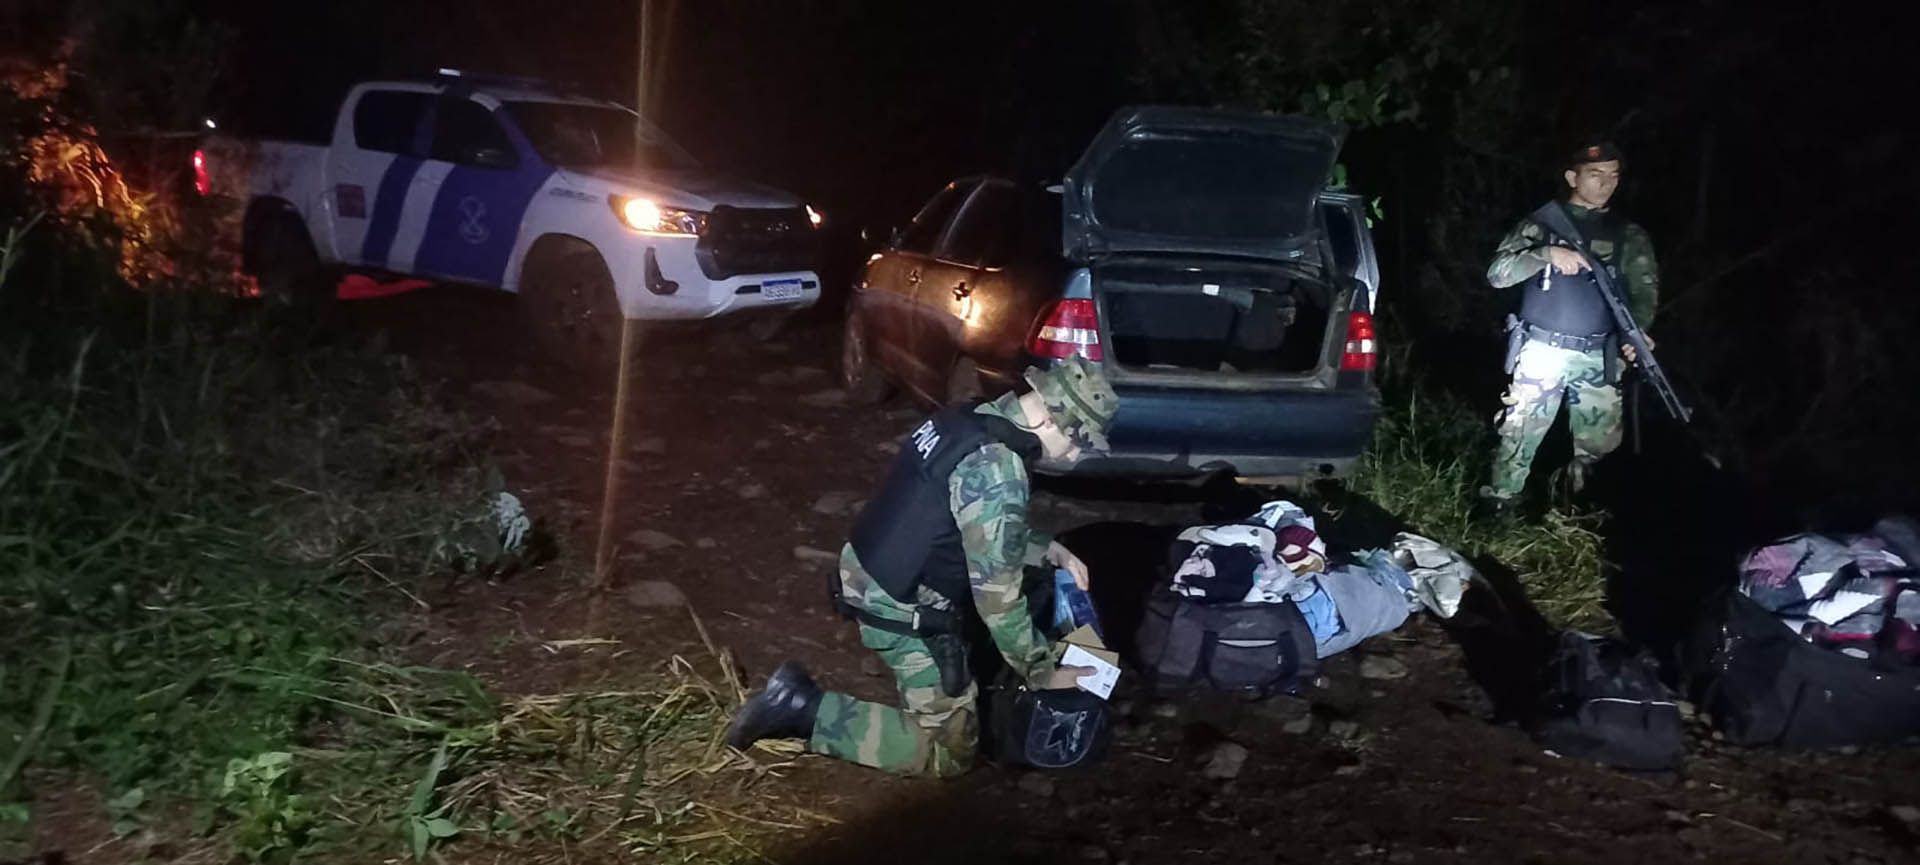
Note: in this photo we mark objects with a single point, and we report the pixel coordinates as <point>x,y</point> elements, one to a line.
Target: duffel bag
<point>1604,701</point>
<point>1257,648</point>
<point>1762,684</point>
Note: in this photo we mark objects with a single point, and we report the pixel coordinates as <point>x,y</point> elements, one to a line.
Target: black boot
<point>784,709</point>
<point>1575,478</point>
<point>1489,509</point>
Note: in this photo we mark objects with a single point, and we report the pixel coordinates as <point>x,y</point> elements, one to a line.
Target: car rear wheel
<point>860,376</point>
<point>572,309</point>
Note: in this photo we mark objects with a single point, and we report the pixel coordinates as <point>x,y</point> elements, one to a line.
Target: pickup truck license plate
<point>782,289</point>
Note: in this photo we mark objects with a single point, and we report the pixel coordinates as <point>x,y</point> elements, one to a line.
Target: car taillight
<point>202,183</point>
<point>1361,352</point>
<point>1071,327</point>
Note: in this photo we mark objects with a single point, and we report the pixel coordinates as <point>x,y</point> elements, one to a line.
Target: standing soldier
<point>945,539</point>
<point>1563,342</point>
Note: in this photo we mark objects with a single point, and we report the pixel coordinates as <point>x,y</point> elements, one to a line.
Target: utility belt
<point>1519,333</point>
<point>939,630</point>
<point>1555,338</point>
<point>927,622</point>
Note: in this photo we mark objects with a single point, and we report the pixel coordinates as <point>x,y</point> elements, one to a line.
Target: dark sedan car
<point>1195,253</point>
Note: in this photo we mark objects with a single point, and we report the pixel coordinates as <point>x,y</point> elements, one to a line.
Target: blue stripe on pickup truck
<point>388,201</point>
<point>475,220</point>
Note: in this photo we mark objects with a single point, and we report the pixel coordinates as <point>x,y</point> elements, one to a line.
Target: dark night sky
<point>875,104</point>
<point>866,104</point>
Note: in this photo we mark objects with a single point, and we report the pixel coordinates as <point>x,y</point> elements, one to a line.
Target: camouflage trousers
<point>1543,377</point>
<point>930,734</point>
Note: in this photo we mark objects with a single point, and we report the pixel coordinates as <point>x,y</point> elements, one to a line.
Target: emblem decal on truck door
<point>472,229</point>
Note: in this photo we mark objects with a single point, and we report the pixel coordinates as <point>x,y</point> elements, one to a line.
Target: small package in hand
<point>1083,648</point>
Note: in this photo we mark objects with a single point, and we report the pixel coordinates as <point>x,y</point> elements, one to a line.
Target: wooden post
<point>616,453</point>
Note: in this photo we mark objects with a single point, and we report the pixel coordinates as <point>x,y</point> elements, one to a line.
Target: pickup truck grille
<point>755,240</point>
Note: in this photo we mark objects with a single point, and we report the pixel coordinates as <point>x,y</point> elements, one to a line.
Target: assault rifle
<point>1553,218</point>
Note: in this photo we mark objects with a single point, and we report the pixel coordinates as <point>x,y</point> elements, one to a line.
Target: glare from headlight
<point>646,216</point>
<point>815,216</point>
<point>640,214</point>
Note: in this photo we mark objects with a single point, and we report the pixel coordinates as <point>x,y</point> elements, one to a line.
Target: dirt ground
<point>743,470</point>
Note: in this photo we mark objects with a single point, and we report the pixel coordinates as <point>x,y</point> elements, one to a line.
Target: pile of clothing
<point>1277,556</point>
<point>1849,593</point>
<point>1817,647</point>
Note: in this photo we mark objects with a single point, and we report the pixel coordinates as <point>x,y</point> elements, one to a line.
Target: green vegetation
<point>1429,456</point>
<point>216,531</point>
<point>212,530</point>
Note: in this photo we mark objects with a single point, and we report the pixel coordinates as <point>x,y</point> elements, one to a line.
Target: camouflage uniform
<point>933,733</point>
<point>1544,375</point>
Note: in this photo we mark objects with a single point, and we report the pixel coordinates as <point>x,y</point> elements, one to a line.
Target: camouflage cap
<point>1594,150</point>
<point>1079,398</point>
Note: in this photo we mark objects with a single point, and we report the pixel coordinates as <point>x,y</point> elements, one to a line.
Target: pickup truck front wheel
<point>572,308</point>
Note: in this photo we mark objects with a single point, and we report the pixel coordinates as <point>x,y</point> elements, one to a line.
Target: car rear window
<point>1344,239</point>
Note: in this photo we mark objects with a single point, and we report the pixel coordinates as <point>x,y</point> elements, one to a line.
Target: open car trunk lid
<point>1189,180</point>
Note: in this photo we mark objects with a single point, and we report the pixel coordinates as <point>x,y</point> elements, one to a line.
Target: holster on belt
<point>1616,365</point>
<point>837,598</point>
<point>949,653</point>
<point>940,631</point>
<point>1516,339</point>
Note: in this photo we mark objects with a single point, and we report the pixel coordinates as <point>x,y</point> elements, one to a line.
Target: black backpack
<point>1604,701</point>
<point>1762,684</point>
<point>1256,648</point>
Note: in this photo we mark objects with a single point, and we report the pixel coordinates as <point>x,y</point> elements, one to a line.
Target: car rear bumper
<point>1177,432</point>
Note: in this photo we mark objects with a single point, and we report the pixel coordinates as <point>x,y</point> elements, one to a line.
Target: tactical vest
<point>1571,304</point>
<point>906,535</point>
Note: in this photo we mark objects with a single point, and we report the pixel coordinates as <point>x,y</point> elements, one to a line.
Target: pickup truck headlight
<point>645,216</point>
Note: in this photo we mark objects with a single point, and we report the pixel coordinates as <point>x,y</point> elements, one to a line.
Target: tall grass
<point>208,527</point>
<point>194,525</point>
<point>1429,457</point>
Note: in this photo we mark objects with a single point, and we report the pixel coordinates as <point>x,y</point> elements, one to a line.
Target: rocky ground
<point>742,472</point>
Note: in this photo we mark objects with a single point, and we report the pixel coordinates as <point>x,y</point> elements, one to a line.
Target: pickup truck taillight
<point>1070,327</point>
<point>1361,352</point>
<point>202,182</point>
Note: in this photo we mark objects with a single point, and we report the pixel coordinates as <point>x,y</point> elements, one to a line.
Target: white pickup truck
<point>585,209</point>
